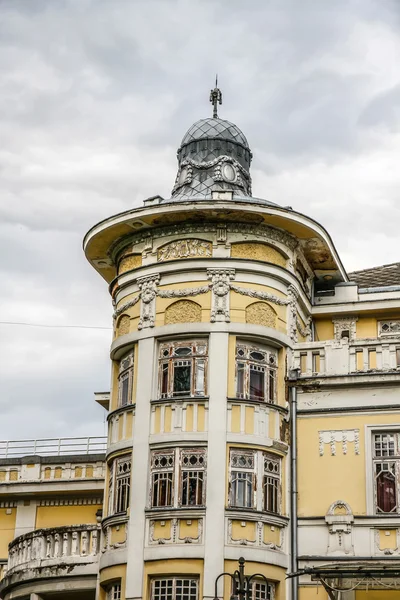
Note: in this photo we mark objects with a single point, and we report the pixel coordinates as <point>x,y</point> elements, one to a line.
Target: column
<point>139,478</point>
<point>216,462</point>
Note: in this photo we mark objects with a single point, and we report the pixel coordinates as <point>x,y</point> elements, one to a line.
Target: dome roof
<point>214,128</point>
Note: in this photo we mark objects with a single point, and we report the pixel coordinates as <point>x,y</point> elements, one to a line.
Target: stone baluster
<point>48,546</point>
<point>74,544</point>
<point>95,542</point>
<point>65,544</point>
<point>85,543</point>
<point>57,545</point>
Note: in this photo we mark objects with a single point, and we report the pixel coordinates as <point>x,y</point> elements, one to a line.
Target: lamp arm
<point>216,583</point>
<point>249,579</point>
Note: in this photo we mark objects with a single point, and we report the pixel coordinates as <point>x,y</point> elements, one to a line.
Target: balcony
<point>61,553</point>
<point>337,358</point>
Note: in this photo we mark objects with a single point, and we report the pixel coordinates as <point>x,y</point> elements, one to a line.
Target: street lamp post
<point>241,589</point>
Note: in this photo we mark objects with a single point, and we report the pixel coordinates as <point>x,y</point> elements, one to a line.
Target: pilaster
<point>215,501</point>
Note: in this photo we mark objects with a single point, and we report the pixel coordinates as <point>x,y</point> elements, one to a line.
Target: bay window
<point>183,369</point>
<point>119,485</point>
<point>255,480</point>
<point>256,369</point>
<point>178,477</point>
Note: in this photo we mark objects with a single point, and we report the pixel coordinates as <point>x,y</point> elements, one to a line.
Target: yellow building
<point>253,406</point>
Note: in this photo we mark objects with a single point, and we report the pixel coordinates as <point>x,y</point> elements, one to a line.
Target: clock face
<point>228,172</point>
<point>183,174</point>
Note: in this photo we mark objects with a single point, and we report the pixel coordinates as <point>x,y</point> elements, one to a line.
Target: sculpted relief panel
<point>258,251</point>
<point>183,311</point>
<point>189,248</point>
<point>261,313</point>
<point>132,261</point>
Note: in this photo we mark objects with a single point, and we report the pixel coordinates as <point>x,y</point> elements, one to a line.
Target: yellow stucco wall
<point>203,300</point>
<point>342,476</point>
<point>7,527</point>
<point>323,329</point>
<point>57,516</point>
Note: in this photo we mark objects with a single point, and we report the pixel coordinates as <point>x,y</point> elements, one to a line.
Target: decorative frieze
<point>259,295</point>
<point>184,530</point>
<point>70,501</point>
<point>184,292</point>
<point>254,534</point>
<point>339,436</point>
<point>186,248</point>
<point>220,285</point>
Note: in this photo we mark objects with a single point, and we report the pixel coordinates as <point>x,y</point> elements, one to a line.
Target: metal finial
<point>216,98</point>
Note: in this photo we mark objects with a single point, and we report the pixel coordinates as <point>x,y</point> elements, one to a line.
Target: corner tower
<point>211,288</point>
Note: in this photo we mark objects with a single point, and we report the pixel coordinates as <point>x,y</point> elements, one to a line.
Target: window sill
<point>259,402</point>
<point>254,514</point>
<point>115,519</point>
<point>163,510</point>
<point>178,399</point>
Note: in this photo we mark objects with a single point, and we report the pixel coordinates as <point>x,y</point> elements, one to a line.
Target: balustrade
<point>343,357</point>
<point>70,544</point>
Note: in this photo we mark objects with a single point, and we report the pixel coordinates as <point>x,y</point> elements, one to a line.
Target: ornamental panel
<point>258,251</point>
<point>132,261</point>
<point>123,325</point>
<point>180,249</point>
<point>261,313</point>
<point>183,311</point>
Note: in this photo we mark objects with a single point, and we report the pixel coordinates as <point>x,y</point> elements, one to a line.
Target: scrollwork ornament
<point>259,295</point>
<point>184,292</point>
<point>220,286</point>
<point>148,293</point>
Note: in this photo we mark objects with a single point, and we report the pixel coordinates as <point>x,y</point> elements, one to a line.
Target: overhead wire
<point>45,325</point>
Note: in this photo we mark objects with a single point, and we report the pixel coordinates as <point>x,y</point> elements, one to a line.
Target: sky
<point>95,96</point>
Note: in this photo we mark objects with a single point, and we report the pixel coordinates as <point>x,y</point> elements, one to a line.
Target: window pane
<point>200,377</point>
<point>257,383</point>
<point>386,491</point>
<point>124,390</point>
<point>192,488</point>
<point>242,490</point>
<point>271,494</point>
<point>240,380</point>
<point>271,391</point>
<point>182,377</point>
<point>164,379</point>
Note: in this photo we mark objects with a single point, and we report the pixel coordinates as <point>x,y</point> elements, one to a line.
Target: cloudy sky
<point>95,96</point>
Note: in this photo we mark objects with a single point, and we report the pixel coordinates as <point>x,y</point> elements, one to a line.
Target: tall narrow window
<point>242,484</point>
<point>125,380</point>
<point>119,485</point>
<point>260,590</point>
<point>183,369</point>
<point>256,370</point>
<point>122,484</point>
<point>272,468</point>
<point>175,588</point>
<point>192,487</point>
<point>386,452</point>
<point>162,466</point>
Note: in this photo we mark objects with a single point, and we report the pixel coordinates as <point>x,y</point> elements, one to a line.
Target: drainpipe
<point>293,483</point>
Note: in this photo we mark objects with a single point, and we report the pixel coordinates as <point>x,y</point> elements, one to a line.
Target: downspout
<point>293,484</point>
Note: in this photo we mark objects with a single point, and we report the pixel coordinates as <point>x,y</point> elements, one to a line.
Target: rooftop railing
<point>53,446</point>
<point>344,358</point>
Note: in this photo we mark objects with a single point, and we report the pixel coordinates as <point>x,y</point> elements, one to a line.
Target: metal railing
<point>53,446</point>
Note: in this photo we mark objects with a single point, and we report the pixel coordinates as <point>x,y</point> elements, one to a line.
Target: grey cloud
<point>95,96</point>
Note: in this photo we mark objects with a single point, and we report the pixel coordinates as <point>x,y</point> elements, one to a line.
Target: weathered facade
<point>253,408</point>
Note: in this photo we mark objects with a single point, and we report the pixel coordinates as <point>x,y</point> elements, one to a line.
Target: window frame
<point>118,490</point>
<point>114,591</point>
<point>164,595</point>
<point>247,364</point>
<point>256,461</point>
<point>387,456</point>
<point>177,470</point>
<point>126,373</point>
<point>169,360</point>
